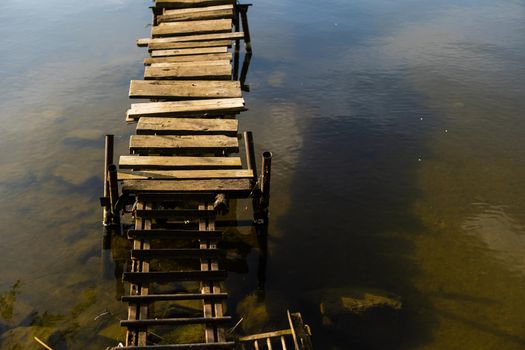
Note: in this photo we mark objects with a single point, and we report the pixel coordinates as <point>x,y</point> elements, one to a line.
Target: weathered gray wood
<point>156,162</point>
<point>186,174</point>
<point>189,45</point>
<point>184,89</point>
<point>186,108</point>
<point>213,185</point>
<point>191,3</point>
<point>191,64</point>
<point>187,126</point>
<point>189,58</point>
<point>186,52</point>
<point>189,72</point>
<point>197,143</point>
<point>143,42</point>
<point>192,27</point>
<point>197,13</point>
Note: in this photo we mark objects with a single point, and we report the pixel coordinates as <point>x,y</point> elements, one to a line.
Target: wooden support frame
<point>108,160</point>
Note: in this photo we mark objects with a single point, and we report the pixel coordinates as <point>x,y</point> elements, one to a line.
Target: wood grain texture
<point>186,174</point>
<point>197,13</point>
<point>187,126</point>
<point>143,42</point>
<point>192,27</point>
<point>205,185</point>
<point>196,143</point>
<point>189,58</point>
<point>184,89</point>
<point>167,163</point>
<point>173,4</point>
<point>217,72</point>
<point>189,45</point>
<point>185,52</point>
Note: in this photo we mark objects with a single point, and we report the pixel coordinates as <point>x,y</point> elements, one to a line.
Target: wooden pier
<point>182,169</point>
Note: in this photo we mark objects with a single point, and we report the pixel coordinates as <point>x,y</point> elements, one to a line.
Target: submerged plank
<point>205,185</point>
<point>158,162</point>
<point>189,72</point>
<point>184,89</point>
<point>187,126</point>
<point>193,27</point>
<point>190,38</point>
<point>202,143</point>
<point>186,108</point>
<point>184,52</point>
<point>189,58</point>
<point>197,13</point>
<point>186,174</point>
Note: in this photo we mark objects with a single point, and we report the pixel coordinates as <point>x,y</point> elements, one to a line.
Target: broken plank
<point>189,58</point>
<point>196,143</point>
<point>197,13</point>
<point>158,162</point>
<point>189,72</point>
<point>192,27</point>
<point>187,126</point>
<point>143,42</point>
<point>186,52</point>
<point>184,89</point>
<point>186,174</point>
<point>207,185</point>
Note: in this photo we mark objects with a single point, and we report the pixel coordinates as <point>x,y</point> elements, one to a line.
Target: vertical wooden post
<point>108,159</point>
<point>244,72</point>
<point>237,45</point>
<point>265,184</point>
<point>113,193</point>
<point>245,28</point>
<point>250,152</point>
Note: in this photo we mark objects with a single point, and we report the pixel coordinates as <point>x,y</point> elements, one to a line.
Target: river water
<point>397,133</point>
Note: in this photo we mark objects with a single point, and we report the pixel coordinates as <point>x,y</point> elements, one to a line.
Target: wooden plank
<point>144,42</point>
<point>193,346</point>
<point>186,126</point>
<point>186,108</point>
<point>173,321</point>
<point>191,64</point>
<point>274,334</point>
<point>216,72</point>
<point>189,58</point>
<point>184,89</point>
<point>158,162</point>
<point>171,4</point>
<point>169,297</point>
<point>189,45</point>
<point>192,27</point>
<point>197,13</point>
<point>196,143</point>
<point>177,253</point>
<point>174,234</point>
<point>186,52</point>
<point>173,276</point>
<point>186,174</point>
<point>173,213</point>
<point>207,185</point>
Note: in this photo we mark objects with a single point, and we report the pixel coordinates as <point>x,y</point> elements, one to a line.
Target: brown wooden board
<point>191,3</point>
<point>200,143</point>
<point>185,174</point>
<point>192,27</point>
<point>189,45</point>
<point>217,72</point>
<point>187,126</point>
<point>151,42</point>
<point>189,58</point>
<point>184,89</point>
<point>169,163</point>
<point>197,13</point>
<point>186,52</point>
<point>207,185</point>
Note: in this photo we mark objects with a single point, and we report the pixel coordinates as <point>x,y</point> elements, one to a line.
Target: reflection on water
<point>398,152</point>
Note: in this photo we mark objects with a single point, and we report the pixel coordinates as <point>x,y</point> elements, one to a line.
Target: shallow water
<point>398,158</point>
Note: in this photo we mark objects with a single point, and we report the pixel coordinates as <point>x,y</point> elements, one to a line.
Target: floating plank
<point>207,185</point>
<point>173,297</point>
<point>193,346</point>
<point>173,321</point>
<point>177,253</point>
<point>186,108</point>
<point>186,52</point>
<point>192,27</point>
<point>186,174</point>
<point>190,45</point>
<point>190,72</point>
<point>187,126</point>
<point>191,3</point>
<point>197,13</point>
<point>200,143</point>
<point>189,38</point>
<point>189,58</point>
<point>184,89</point>
<point>172,276</point>
<point>175,234</point>
<point>157,162</point>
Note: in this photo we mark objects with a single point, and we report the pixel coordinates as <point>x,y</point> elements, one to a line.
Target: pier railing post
<point>108,160</point>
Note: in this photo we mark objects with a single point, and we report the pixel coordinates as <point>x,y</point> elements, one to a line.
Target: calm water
<point>397,131</point>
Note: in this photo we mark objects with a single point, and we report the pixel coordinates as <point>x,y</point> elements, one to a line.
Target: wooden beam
<point>173,276</point>
<point>192,27</point>
<point>197,143</point>
<point>187,126</point>
<point>189,58</point>
<point>216,72</point>
<point>186,52</point>
<point>184,89</point>
<point>186,174</point>
<point>167,163</point>
<point>189,44</point>
<point>146,42</point>
<point>207,185</point>
<point>197,13</point>
<point>191,3</point>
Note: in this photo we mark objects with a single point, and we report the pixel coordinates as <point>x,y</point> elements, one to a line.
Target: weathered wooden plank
<point>192,27</point>
<point>189,72</point>
<point>184,89</point>
<point>190,45</point>
<point>186,174</point>
<point>186,108</point>
<point>191,64</point>
<point>207,185</point>
<point>197,13</point>
<point>189,58</point>
<point>173,321</point>
<point>171,276</point>
<point>157,162</point>
<point>180,253</point>
<point>174,234</point>
<point>197,143</point>
<point>143,42</point>
<point>187,52</point>
<point>193,346</point>
<point>169,297</point>
<point>187,126</point>
<point>170,4</point>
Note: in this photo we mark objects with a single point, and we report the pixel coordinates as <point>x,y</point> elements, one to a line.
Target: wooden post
<point>265,184</point>
<point>113,194</point>
<point>244,72</point>
<point>250,153</point>
<point>108,159</point>
<point>245,28</point>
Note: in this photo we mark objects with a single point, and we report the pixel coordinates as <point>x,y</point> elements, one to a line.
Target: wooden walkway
<point>181,171</point>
